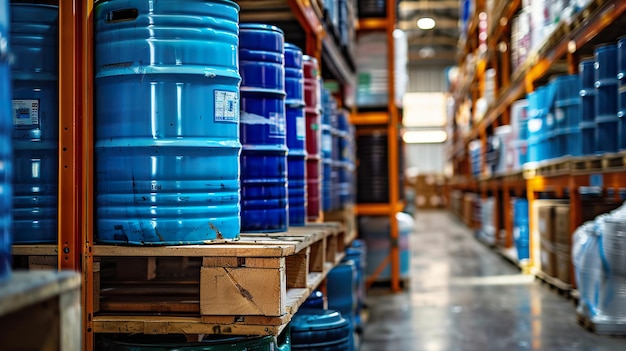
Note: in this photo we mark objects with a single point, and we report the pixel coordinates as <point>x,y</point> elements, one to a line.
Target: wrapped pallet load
<point>599,258</point>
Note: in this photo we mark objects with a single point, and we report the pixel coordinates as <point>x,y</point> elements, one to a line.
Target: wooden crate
<point>249,287</point>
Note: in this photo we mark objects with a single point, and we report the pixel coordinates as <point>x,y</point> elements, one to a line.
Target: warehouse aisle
<point>463,296</point>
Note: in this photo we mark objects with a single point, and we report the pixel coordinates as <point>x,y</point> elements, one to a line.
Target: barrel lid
<point>309,59</point>
<point>316,294</point>
<point>606,47</point>
<point>292,47</point>
<point>311,319</point>
<point>260,26</point>
<point>357,243</point>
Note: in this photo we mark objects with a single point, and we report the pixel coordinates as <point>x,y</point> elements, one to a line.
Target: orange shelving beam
<point>392,141</point>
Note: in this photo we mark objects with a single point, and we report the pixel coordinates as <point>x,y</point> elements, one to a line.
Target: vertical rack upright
<point>391,120</point>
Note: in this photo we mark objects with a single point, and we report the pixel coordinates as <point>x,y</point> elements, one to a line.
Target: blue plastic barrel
<point>588,137</point>
<point>314,301</point>
<point>567,115</point>
<point>327,150</point>
<point>34,43</point>
<point>296,135</point>
<point>606,83</point>
<point>167,121</point>
<point>521,228</point>
<point>621,76</point>
<point>320,330</point>
<point>357,252</point>
<point>341,293</point>
<point>345,159</point>
<point>6,172</point>
<point>588,90</point>
<point>264,202</point>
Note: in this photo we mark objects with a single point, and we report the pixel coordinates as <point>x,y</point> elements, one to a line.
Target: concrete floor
<point>463,296</point>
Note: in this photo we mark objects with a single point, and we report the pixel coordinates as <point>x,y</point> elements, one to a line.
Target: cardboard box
<point>563,232</point>
<point>563,265</point>
<point>545,224</point>
<point>548,258</point>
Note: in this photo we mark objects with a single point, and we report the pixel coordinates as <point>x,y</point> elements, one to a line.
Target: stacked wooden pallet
<point>250,287</point>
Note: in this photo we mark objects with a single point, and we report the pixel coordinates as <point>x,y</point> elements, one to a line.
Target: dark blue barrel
<point>357,252</point>
<point>345,159</point>
<point>175,342</point>
<point>521,231</point>
<point>621,76</point>
<point>341,293</point>
<point>263,129</point>
<point>567,115</point>
<point>6,172</point>
<point>336,161</point>
<point>320,330</point>
<point>314,301</point>
<point>34,43</point>
<point>587,104</point>
<point>607,129</point>
<point>312,98</point>
<point>296,135</point>
<point>167,121</point>
<point>327,150</point>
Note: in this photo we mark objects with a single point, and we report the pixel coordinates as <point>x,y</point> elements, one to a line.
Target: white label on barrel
<point>300,128</point>
<point>26,112</point>
<point>226,106</point>
<point>277,125</point>
<point>327,142</point>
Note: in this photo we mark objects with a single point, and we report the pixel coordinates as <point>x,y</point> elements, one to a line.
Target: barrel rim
<point>30,4</point>
<point>260,26</point>
<point>605,46</point>
<point>292,47</point>
<point>230,2</point>
<point>308,58</point>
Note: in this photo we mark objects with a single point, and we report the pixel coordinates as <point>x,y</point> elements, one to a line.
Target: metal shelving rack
<point>75,239</point>
<point>593,25</point>
<point>391,120</point>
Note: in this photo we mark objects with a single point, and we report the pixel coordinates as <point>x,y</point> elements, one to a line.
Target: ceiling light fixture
<point>425,137</point>
<point>426,23</point>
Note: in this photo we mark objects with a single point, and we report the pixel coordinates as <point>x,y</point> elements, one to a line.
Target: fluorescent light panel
<point>424,136</point>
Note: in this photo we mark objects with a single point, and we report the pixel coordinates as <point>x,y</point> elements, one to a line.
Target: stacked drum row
<point>196,139</point>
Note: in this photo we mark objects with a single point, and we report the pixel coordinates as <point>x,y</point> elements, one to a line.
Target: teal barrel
<point>166,121</point>
<point>35,105</point>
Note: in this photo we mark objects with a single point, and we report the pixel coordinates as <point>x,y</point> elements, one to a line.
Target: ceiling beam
<point>408,6</point>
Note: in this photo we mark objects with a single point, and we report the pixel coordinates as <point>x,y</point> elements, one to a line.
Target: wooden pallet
<point>249,287</point>
<point>35,257</point>
<point>614,162</point>
<point>562,288</point>
<point>600,327</point>
<point>347,217</point>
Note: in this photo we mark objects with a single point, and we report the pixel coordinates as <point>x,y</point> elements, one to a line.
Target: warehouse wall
<point>427,79</point>
<point>427,158</point>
